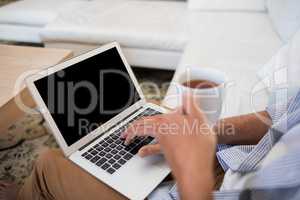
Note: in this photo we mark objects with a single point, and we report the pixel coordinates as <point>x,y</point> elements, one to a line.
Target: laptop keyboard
<point>111,152</point>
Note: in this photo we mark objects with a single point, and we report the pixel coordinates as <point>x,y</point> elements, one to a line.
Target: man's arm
<point>244,129</point>
<point>189,151</point>
<point>195,179</point>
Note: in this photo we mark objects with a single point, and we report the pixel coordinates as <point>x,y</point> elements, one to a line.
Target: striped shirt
<point>268,170</point>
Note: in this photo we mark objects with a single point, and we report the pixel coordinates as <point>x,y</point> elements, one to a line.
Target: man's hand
<point>188,144</point>
<point>149,150</point>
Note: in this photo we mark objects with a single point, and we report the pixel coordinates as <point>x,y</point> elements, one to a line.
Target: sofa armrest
<point>227,5</point>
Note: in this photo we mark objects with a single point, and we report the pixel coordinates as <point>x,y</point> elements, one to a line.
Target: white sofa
<point>238,44</point>
<point>152,33</point>
<point>23,20</point>
<point>237,37</point>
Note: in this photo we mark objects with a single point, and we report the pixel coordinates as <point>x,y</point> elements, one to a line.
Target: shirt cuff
<point>233,156</point>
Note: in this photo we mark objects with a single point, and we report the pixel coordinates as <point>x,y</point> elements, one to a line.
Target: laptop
<point>87,102</point>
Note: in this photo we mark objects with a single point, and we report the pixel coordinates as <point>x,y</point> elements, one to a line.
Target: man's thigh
<point>65,180</point>
<point>59,178</point>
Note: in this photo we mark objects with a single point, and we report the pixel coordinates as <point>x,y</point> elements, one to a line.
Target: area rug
<point>17,163</point>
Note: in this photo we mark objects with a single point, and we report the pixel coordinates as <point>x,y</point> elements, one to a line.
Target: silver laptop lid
<point>85,95</point>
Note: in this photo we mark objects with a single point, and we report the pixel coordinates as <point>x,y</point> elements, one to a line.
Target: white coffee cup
<point>210,100</point>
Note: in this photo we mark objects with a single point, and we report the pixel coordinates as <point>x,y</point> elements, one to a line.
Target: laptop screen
<point>87,94</point>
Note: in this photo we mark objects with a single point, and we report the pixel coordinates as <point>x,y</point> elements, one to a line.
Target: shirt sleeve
<point>268,182</point>
<point>231,156</point>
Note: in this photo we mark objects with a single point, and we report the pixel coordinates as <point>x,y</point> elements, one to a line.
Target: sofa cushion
<point>274,73</point>
<point>11,32</point>
<point>236,5</point>
<point>231,39</point>
<point>238,44</point>
<point>31,12</point>
<point>283,68</point>
<point>285,15</point>
<point>136,24</point>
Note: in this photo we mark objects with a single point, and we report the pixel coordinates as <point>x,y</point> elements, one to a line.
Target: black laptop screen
<point>85,95</point>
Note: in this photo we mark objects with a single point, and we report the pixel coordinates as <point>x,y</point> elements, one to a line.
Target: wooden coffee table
<point>16,62</point>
